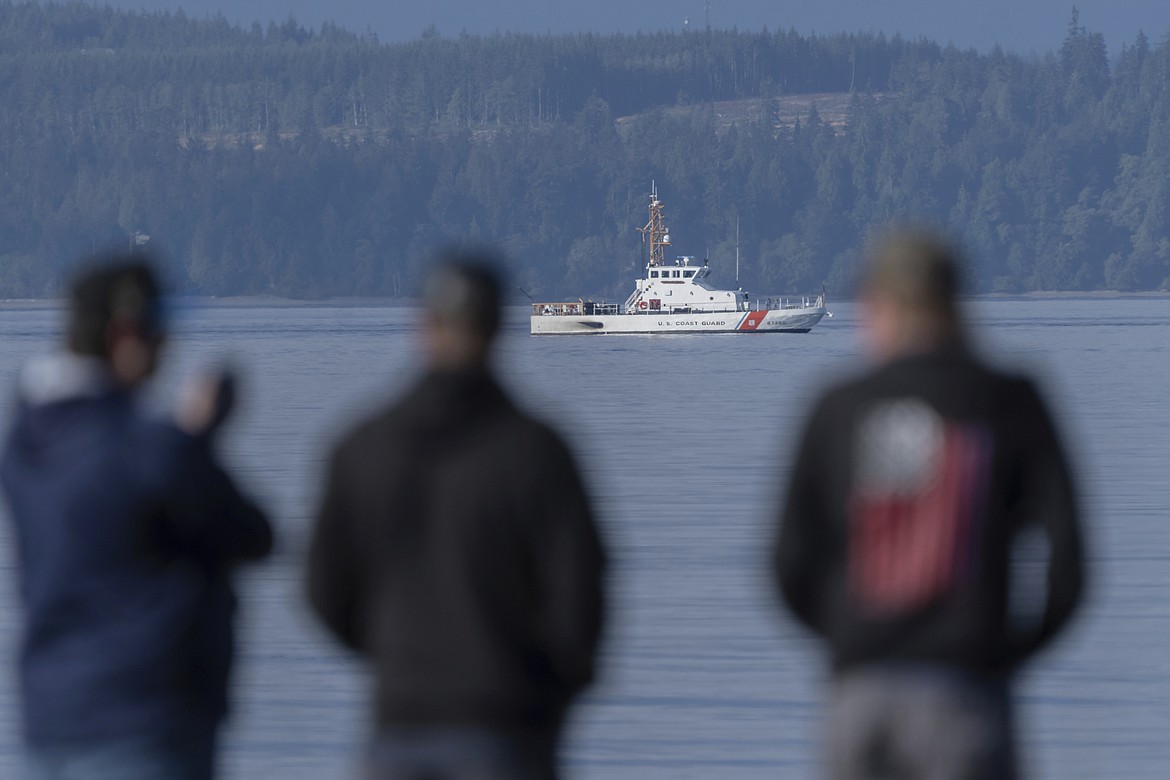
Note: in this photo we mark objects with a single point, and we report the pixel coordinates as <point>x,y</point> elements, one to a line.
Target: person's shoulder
<point>376,429</point>
<point>1013,379</point>
<point>536,433</point>
<point>844,392</point>
<point>543,432</point>
<point>1008,382</point>
<point>155,433</point>
<point>162,453</point>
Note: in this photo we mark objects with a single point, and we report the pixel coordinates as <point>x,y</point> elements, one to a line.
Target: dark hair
<point>465,290</point>
<point>117,287</point>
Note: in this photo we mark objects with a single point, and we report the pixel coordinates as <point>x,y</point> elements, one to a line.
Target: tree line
<point>311,163</point>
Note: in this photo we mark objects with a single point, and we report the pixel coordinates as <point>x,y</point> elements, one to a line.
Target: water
<point>684,441</point>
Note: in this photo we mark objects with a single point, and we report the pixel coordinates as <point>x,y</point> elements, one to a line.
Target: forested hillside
<point>315,162</point>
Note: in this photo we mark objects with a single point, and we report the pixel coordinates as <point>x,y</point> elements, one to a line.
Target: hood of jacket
<point>63,376</point>
<point>51,391</point>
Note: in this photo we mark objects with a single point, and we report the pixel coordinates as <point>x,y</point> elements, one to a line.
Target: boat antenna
<point>526,295</point>
<point>737,251</point>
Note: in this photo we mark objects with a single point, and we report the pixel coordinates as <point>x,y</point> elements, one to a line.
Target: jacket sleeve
<point>570,571</point>
<point>800,551</point>
<point>335,586</point>
<point>1048,503</point>
<point>206,517</point>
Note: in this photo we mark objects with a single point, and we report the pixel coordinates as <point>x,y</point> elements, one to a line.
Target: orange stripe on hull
<point>753,320</point>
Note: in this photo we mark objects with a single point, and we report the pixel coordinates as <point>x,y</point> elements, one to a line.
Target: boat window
<point>677,274</point>
<point>688,274</point>
<point>653,274</point>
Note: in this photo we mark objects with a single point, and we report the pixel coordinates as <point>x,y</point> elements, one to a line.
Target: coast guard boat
<point>677,298</point>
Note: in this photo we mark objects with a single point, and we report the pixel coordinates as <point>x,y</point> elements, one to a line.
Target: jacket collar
<point>451,398</point>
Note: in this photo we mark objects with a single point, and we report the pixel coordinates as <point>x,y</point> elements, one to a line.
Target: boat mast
<point>737,251</point>
<point>655,231</point>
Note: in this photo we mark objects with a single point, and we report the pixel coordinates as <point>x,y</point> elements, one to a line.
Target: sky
<point>1022,26</point>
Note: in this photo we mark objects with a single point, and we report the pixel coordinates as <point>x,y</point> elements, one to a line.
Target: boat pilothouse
<point>682,286</point>
<point>676,297</point>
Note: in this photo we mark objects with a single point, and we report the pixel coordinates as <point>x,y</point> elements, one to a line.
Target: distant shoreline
<point>184,301</point>
<point>1073,294</point>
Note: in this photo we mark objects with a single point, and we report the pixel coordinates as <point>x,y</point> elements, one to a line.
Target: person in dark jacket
<point>455,549</point>
<point>127,531</point>
<point>930,535</point>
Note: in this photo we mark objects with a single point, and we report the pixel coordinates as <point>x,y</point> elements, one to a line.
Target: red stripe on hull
<point>753,320</point>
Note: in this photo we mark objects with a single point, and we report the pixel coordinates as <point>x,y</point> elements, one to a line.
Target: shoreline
<point>273,301</point>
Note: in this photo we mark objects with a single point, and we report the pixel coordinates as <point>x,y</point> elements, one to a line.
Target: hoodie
<point>456,550</point>
<point>931,518</point>
<point>127,531</point>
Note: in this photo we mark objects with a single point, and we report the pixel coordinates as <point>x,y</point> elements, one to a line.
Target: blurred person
<point>456,551</point>
<point>127,531</point>
<point>930,535</point>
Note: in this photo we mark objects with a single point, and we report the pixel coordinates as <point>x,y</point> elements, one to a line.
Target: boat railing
<point>573,309</point>
<point>781,304</point>
<point>590,308</point>
<point>558,309</point>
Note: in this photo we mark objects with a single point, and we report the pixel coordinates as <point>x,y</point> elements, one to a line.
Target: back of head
<point>913,280</point>
<point>462,298</point>
<point>116,290</point>
<point>918,271</point>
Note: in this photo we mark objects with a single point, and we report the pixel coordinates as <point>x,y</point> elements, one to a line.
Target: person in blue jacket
<point>127,532</point>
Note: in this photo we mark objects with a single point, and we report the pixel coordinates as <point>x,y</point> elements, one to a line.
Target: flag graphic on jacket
<point>919,487</point>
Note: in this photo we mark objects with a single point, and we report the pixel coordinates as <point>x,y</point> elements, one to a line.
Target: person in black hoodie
<point>455,549</point>
<point>930,535</point>
<point>127,531</point>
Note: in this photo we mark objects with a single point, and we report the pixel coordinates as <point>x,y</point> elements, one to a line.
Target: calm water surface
<point>683,439</point>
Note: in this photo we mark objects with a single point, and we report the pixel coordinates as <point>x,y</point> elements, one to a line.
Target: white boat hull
<point>761,321</point>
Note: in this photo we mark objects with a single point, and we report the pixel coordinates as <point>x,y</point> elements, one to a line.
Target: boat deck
<point>590,308</point>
